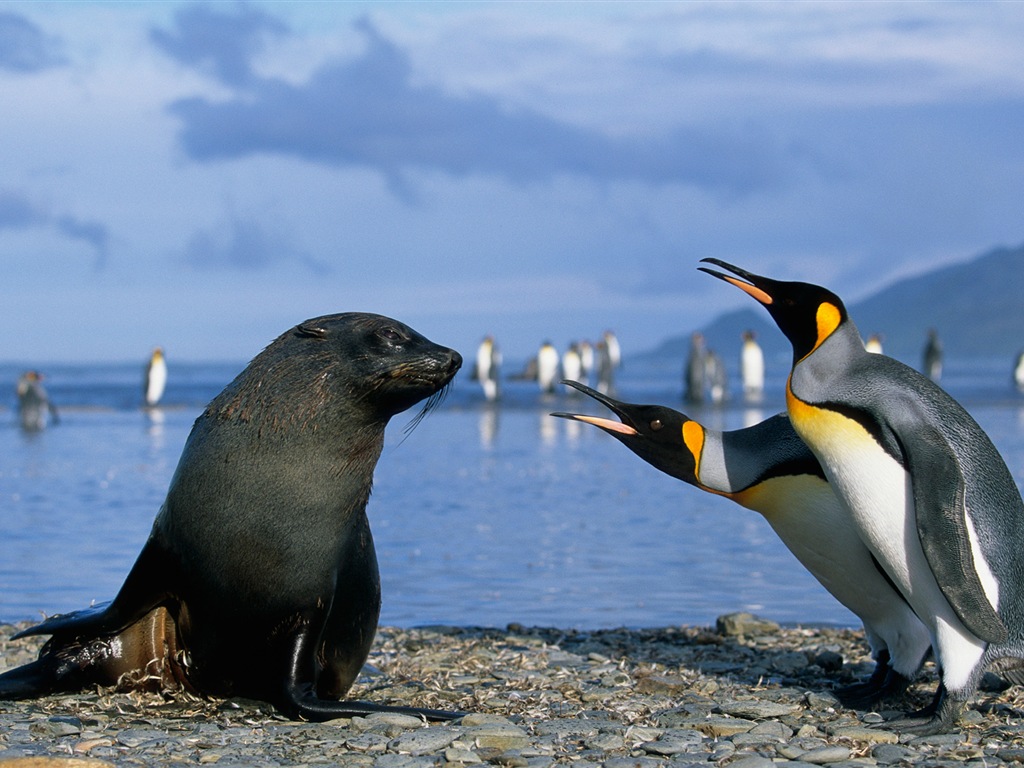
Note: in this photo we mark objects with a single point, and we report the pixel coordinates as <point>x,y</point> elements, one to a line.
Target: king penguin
<point>930,494</point>
<point>769,469</point>
<point>156,378</point>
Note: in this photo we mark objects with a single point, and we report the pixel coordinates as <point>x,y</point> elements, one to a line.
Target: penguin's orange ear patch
<point>828,318</point>
<point>753,290</point>
<point>693,437</point>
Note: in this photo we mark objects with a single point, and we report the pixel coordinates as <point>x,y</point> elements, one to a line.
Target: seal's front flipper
<point>299,699</point>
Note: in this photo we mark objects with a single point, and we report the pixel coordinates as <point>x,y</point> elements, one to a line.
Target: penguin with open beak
<point>769,469</point>
<point>929,493</point>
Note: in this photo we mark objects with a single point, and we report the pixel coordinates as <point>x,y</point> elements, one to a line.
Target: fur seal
<point>259,578</point>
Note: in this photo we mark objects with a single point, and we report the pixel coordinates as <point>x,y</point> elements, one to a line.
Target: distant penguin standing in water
<point>1018,372</point>
<point>586,361</point>
<point>547,367</point>
<point>695,371</point>
<point>488,368</point>
<point>572,365</point>
<point>156,378</point>
<point>716,377</point>
<point>34,406</point>
<point>928,491</point>
<point>752,368</point>
<point>933,356</point>
<point>609,360</point>
<point>769,469</point>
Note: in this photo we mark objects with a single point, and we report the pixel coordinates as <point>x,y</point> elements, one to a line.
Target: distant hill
<point>977,307</point>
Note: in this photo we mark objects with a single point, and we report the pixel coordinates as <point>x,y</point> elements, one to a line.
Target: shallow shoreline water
<point>538,697</point>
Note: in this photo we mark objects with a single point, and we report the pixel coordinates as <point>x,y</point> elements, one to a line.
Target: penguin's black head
<point>658,435</point>
<point>807,314</point>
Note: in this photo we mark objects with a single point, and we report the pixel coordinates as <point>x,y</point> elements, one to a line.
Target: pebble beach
<point>744,693</point>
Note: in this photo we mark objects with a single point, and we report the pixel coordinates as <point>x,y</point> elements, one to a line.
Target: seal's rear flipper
<point>26,682</point>
<point>47,674</point>
<point>76,622</point>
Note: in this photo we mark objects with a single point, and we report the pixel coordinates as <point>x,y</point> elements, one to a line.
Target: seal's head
<point>362,367</point>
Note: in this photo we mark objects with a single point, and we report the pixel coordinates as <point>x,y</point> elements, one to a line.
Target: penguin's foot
<point>938,717</point>
<point>884,683</point>
<point>890,684</point>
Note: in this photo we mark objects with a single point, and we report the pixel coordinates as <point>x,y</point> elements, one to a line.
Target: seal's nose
<point>455,361</point>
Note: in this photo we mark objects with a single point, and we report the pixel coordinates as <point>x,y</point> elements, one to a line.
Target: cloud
<point>221,44</point>
<point>17,212</point>
<point>368,112</point>
<point>23,46</point>
<point>246,244</point>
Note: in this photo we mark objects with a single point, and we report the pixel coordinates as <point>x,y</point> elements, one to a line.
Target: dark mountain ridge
<point>976,306</point>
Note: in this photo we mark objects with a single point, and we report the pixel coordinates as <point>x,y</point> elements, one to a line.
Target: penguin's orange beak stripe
<point>613,426</point>
<point>753,290</point>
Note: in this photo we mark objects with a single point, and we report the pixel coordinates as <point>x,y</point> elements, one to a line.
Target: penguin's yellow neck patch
<point>828,318</point>
<point>693,438</point>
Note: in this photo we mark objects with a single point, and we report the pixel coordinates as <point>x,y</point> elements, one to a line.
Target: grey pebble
<point>752,761</point>
<point>424,740</point>
<point>757,710</point>
<point>368,742</point>
<point>605,742</point>
<point>823,755</point>
<point>391,760</point>
<point>136,737</point>
<point>633,762</point>
<point>55,727</point>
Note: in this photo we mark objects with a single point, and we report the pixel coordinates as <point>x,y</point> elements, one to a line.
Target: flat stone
<point>757,710</point>
<point>408,722</point>
<point>497,736</point>
<point>741,623</point>
<point>134,737</point>
<point>863,733</point>
<point>719,727</point>
<point>751,761</point>
<point>823,755</point>
<point>606,742</point>
<point>460,755</point>
<point>55,727</point>
<point>566,728</point>
<point>631,762</point>
<point>424,741</point>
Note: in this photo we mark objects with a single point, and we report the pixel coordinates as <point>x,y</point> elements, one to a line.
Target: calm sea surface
<point>482,515</point>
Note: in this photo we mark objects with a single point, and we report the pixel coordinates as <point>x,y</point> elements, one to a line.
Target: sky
<point>205,176</point>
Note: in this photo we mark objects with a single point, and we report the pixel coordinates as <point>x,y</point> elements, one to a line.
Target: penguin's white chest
<point>873,486</point>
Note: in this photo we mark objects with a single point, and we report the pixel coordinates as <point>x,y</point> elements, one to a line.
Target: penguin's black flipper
<point>941,513</point>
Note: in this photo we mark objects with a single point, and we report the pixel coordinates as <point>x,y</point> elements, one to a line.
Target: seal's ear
<point>310,330</point>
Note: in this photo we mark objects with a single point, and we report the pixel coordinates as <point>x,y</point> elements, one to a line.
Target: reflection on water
<point>486,514</point>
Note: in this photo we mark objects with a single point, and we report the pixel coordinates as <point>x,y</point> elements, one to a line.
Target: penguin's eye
<point>656,425</point>
<point>391,334</point>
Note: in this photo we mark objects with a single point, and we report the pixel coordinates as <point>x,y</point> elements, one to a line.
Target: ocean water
<point>482,515</point>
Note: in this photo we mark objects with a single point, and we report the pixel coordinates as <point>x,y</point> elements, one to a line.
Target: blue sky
<point>203,176</point>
